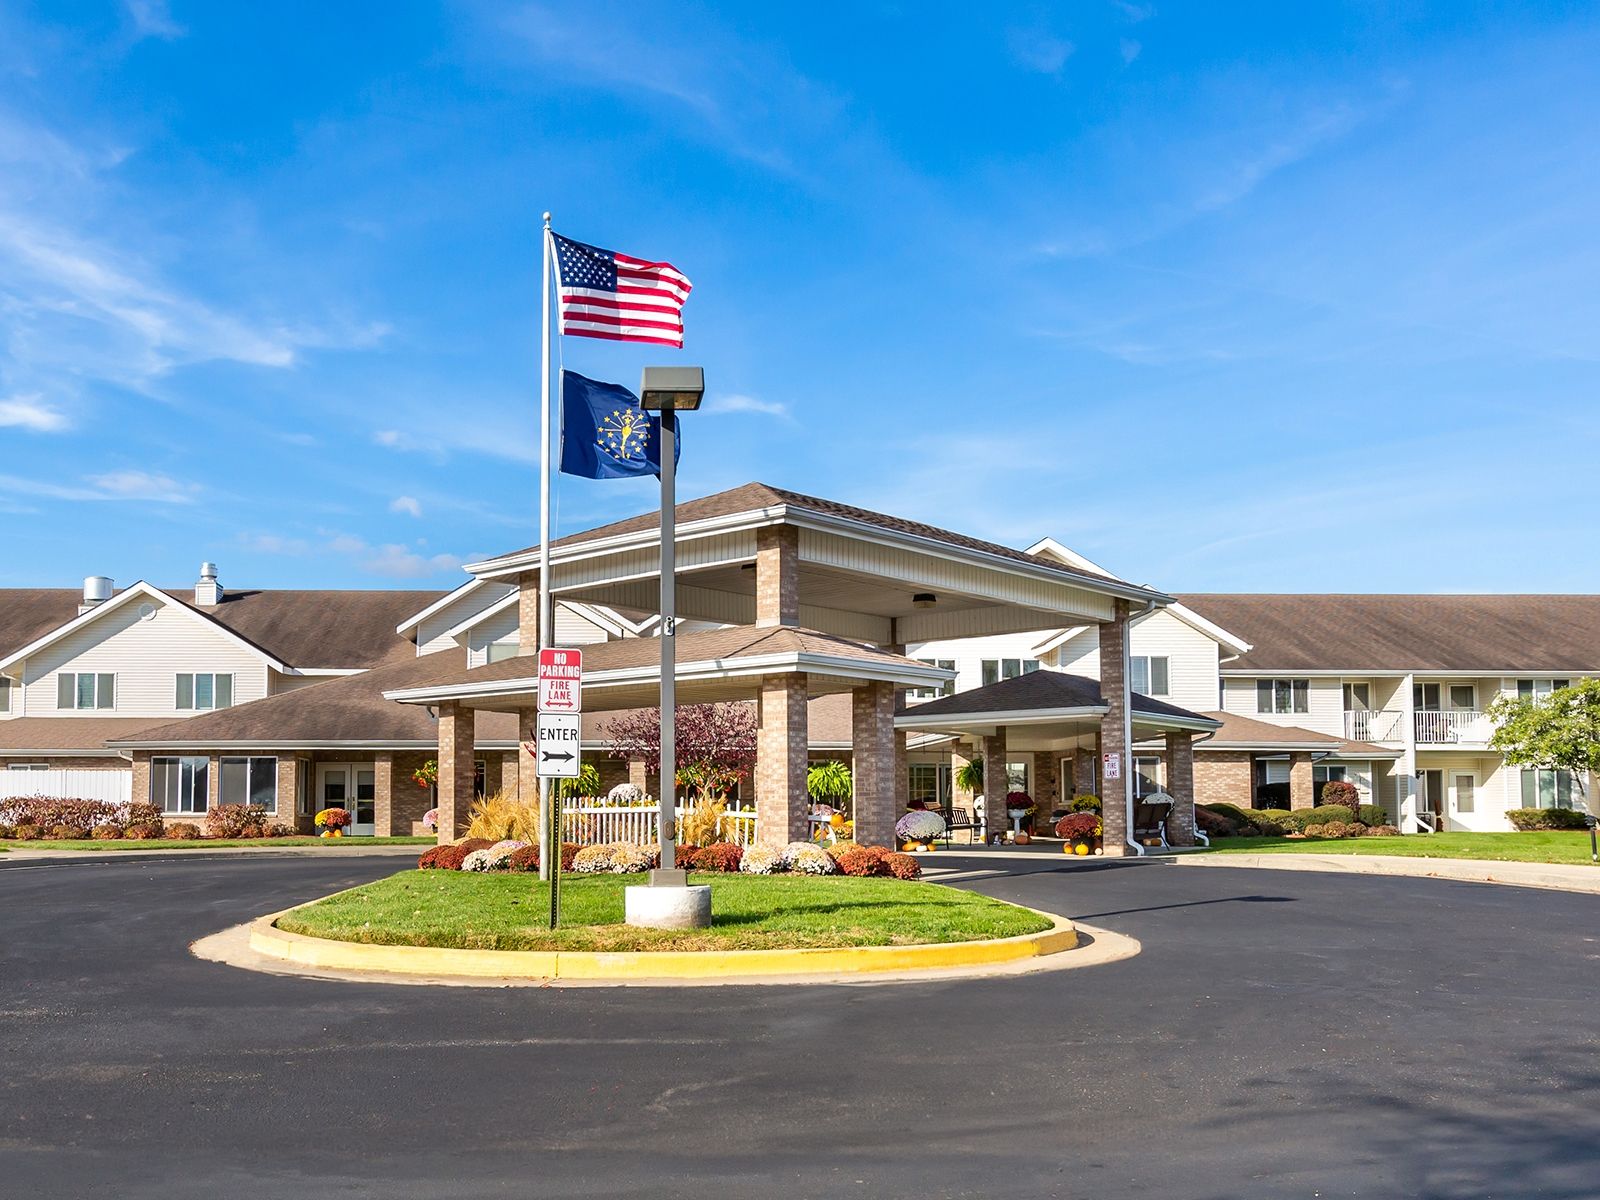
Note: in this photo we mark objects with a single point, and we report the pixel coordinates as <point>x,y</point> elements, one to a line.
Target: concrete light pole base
<point>668,907</point>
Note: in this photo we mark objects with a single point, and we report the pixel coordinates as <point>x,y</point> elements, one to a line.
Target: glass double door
<point>352,787</point>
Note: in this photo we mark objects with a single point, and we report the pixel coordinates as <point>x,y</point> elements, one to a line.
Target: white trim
<point>140,588</point>
<point>309,672</point>
<point>1046,716</point>
<point>449,598</point>
<point>483,614</point>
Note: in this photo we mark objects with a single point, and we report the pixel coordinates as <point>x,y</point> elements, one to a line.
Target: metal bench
<point>1150,821</point>
<point>960,818</point>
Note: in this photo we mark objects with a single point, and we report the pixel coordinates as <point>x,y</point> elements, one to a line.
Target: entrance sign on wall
<point>1111,766</point>
<point>560,745</point>
<point>560,681</point>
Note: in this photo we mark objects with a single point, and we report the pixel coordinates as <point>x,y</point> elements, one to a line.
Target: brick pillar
<point>781,760</point>
<point>383,796</point>
<point>639,775</point>
<point>528,612</point>
<point>1180,786</point>
<point>1113,730</point>
<point>994,785</point>
<point>1084,782</point>
<point>288,799</point>
<point>1300,787</point>
<point>506,779</point>
<point>872,732</point>
<point>778,575</point>
<point>1046,788</point>
<point>140,788</point>
<point>527,769</point>
<point>455,770</point>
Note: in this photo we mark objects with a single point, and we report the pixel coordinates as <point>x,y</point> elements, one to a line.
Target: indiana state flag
<point>604,432</point>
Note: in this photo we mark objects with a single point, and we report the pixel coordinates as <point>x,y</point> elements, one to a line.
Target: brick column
<point>1300,786</point>
<point>778,575</point>
<point>288,793</point>
<point>639,775</point>
<point>1083,767</point>
<point>1114,731</point>
<point>140,788</point>
<point>994,785</point>
<point>455,770</point>
<point>527,769</point>
<point>872,732</point>
<point>902,760</point>
<point>528,612</point>
<point>781,760</point>
<point>383,796</point>
<point>1046,788</point>
<point>1180,786</point>
<point>506,779</point>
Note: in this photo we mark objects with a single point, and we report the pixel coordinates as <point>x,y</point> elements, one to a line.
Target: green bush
<point>1302,819</point>
<point>1527,819</point>
<point>1372,815</point>
<point>1233,812</point>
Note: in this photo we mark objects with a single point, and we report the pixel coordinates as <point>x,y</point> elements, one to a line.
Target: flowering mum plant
<point>1078,826</point>
<point>919,825</point>
<point>809,859</point>
<point>628,859</point>
<point>594,860</point>
<point>501,852</point>
<point>332,818</point>
<point>478,860</point>
<point>1019,802</point>
<point>761,860</point>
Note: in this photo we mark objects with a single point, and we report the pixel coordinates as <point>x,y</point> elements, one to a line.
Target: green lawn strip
<point>217,843</point>
<point>1542,846</point>
<point>749,912</point>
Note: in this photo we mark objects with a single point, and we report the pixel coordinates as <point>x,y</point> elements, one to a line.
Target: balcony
<point>1448,728</point>
<point>1371,725</point>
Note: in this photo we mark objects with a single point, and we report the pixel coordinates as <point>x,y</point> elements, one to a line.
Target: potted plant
<point>917,830</point>
<point>427,774</point>
<point>332,822</point>
<point>1078,831</point>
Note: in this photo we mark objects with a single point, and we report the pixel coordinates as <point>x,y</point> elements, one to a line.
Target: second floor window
<point>204,691</point>
<point>1538,689</point>
<point>1149,675</point>
<point>84,689</point>
<point>1283,695</point>
<point>996,669</point>
<point>1357,697</point>
<point>933,693</point>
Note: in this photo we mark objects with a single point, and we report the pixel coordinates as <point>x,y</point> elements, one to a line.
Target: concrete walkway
<point>1560,876</point>
<point>346,850</point>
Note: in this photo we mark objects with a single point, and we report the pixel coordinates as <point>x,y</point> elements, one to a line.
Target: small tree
<point>970,777</point>
<point>715,744</point>
<point>1559,732</point>
<point>586,784</point>
<point>829,782</point>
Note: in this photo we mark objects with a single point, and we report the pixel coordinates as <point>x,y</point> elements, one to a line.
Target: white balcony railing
<point>1372,725</point>
<point>1456,725</point>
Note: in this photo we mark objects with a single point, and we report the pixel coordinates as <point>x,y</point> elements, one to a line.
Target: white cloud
<point>1130,50</point>
<point>31,412</point>
<point>747,404</point>
<point>272,543</point>
<point>144,485</point>
<point>151,18</point>
<point>406,504</point>
<point>1039,51</point>
<point>388,437</point>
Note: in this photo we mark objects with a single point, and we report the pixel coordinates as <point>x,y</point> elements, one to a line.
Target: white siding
<point>145,656</point>
<point>500,627</point>
<point>431,633</point>
<point>1324,700</point>
<point>969,653</point>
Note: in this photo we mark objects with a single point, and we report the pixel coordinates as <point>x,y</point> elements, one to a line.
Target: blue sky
<point>1226,297</point>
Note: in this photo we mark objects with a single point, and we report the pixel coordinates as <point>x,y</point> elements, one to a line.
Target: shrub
<point>183,831</point>
<point>8,831</point>
<point>864,860</point>
<point>474,843</point>
<point>1302,819</point>
<point>809,859</point>
<point>1214,824</point>
<point>630,859</point>
<point>837,850</point>
<point>63,833</point>
<point>594,860</point>
<point>1528,819</point>
<point>721,856</point>
<point>919,826</point>
<point>48,812</point>
<point>902,866</point>
<point>278,829</point>
<point>686,858</point>
<point>702,824</point>
<point>1330,829</point>
<point>28,833</point>
<point>105,833</point>
<point>1339,791</point>
<point>144,830</point>
<point>1079,826</point>
<point>450,858</point>
<point>525,859</point>
<point>761,860</point>
<point>1085,803</point>
<point>500,817</point>
<point>1371,814</point>
<point>139,812</point>
<point>236,820</point>
<point>1383,831</point>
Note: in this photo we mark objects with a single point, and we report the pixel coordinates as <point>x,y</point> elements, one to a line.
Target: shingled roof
<point>1408,632</point>
<point>1039,691</point>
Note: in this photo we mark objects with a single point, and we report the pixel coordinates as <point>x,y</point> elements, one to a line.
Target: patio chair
<point>1150,822</point>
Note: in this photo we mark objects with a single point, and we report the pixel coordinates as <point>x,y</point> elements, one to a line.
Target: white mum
<point>624,794</point>
<point>761,860</point>
<point>810,859</point>
<point>500,851</point>
<point>478,860</point>
<point>919,825</point>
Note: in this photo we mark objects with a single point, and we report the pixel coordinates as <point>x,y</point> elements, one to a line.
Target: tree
<point>586,784</point>
<point>829,781</point>
<point>715,744</point>
<point>1559,732</point>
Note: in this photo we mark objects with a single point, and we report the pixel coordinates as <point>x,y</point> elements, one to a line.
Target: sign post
<point>558,750</point>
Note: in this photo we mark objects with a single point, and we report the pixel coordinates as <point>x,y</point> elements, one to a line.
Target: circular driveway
<point>1281,1035</point>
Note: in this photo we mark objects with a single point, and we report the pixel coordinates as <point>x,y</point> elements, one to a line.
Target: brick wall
<point>778,575</point>
<point>780,771</point>
<point>872,733</point>
<point>1224,777</point>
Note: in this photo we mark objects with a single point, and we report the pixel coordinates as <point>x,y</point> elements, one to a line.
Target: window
<point>996,669</point>
<point>1547,789</point>
<point>1149,675</point>
<point>1321,773</point>
<point>1357,697</point>
<point>28,767</point>
<point>933,693</point>
<point>84,689</point>
<point>1147,776</point>
<point>249,781</point>
<point>1538,689</point>
<point>1466,793</point>
<point>930,783</point>
<point>1425,697</point>
<point>500,651</point>
<point>1283,695</point>
<point>1463,697</point>
<point>179,785</point>
<point>204,691</point>
<point>1017,777</point>
<point>480,776</point>
<point>5,694</point>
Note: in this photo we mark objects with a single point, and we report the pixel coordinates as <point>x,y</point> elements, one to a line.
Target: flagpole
<point>552,845</point>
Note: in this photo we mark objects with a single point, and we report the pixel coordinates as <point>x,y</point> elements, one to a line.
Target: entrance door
<point>352,787</point>
<point>1463,799</point>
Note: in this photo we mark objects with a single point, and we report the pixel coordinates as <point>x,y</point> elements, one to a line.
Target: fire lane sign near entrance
<point>560,681</point>
<point>560,745</point>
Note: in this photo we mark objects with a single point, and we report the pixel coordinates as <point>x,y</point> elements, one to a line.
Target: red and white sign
<point>1111,766</point>
<point>560,681</point>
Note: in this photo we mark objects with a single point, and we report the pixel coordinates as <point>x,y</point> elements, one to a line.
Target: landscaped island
<point>488,911</point>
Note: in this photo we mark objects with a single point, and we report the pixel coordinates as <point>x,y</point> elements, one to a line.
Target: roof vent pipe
<point>97,589</point>
<point>208,592</point>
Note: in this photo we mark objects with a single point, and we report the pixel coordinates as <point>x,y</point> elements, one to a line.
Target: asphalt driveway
<point>1281,1035</point>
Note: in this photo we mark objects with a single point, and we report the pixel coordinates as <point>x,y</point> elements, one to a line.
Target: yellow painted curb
<point>324,954</point>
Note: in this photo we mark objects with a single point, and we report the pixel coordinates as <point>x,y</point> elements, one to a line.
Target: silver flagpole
<point>551,845</point>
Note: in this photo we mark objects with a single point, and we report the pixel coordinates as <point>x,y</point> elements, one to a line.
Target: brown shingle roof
<point>320,628</point>
<point>1240,731</point>
<point>1409,632</point>
<point>61,734</point>
<point>1037,690</point>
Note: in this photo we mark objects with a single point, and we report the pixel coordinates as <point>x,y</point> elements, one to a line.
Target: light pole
<point>669,391</point>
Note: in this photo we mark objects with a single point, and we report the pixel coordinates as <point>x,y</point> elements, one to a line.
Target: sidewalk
<point>156,851</point>
<point>1559,876</point>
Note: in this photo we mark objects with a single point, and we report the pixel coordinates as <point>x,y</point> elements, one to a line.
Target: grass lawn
<point>749,912</point>
<point>216,843</point>
<point>1541,846</point>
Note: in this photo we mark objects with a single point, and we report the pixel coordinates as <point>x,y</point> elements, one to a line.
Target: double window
<point>1150,675</point>
<point>996,669</point>
<point>249,781</point>
<point>84,689</point>
<point>204,690</point>
<point>1538,689</point>
<point>1283,695</point>
<point>933,693</point>
<point>1547,789</point>
<point>179,785</point>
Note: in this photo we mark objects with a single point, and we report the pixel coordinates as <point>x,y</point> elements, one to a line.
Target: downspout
<point>1127,730</point>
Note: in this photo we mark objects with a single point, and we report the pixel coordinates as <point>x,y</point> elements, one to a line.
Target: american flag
<point>617,297</point>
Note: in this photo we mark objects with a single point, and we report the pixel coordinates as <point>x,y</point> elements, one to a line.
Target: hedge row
<point>1528,819</point>
<point>805,858</point>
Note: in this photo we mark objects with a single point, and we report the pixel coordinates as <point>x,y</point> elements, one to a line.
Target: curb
<point>641,966</point>
<point>1551,876</point>
<point>156,850</point>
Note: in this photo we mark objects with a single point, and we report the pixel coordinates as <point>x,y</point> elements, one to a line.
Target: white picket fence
<point>111,785</point>
<point>595,824</point>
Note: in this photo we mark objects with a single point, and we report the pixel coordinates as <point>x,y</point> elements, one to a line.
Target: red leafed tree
<point>716,744</point>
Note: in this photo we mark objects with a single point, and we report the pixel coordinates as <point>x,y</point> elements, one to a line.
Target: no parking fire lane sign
<point>560,681</point>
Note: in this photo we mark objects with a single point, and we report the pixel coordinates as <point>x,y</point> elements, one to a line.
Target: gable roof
<point>1042,691</point>
<point>301,629</point>
<point>1401,633</point>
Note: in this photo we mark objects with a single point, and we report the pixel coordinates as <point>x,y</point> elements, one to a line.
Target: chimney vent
<point>97,589</point>
<point>208,592</point>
